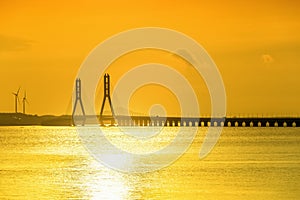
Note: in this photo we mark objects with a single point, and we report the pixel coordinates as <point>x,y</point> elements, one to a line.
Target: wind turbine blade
<point>25,98</point>
<point>18,91</point>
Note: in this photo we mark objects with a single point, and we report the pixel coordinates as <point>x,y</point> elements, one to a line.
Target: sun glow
<point>104,183</point>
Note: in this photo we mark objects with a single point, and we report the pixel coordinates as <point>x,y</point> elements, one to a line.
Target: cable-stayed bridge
<point>121,120</point>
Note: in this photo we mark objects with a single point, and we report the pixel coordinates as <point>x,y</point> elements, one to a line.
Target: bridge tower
<point>107,96</point>
<point>78,99</point>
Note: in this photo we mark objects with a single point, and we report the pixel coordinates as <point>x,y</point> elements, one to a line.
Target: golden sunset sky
<point>255,44</point>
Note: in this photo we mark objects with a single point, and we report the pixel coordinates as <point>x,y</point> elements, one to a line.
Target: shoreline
<point>20,119</point>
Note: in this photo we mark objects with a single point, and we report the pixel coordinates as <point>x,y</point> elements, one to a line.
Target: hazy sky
<point>255,44</point>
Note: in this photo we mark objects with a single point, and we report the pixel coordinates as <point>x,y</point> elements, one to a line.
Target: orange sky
<point>255,44</point>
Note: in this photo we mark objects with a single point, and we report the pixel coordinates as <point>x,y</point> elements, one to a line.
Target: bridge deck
<point>190,121</point>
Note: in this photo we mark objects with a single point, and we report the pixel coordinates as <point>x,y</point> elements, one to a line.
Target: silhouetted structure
<point>78,97</point>
<point>16,99</point>
<point>206,121</point>
<point>24,101</point>
<point>107,96</point>
<point>122,120</point>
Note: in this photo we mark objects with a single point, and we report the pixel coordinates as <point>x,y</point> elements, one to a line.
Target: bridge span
<point>190,121</point>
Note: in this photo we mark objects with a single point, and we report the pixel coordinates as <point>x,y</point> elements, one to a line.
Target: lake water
<point>246,163</point>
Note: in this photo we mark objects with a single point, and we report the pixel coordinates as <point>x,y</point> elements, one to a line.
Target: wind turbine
<point>24,101</point>
<point>16,99</point>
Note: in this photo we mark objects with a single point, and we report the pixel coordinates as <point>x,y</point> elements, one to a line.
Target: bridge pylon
<point>105,97</point>
<point>78,99</point>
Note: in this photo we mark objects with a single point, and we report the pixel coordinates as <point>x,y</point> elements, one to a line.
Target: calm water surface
<point>247,163</point>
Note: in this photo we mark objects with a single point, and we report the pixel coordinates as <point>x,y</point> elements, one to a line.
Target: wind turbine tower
<point>16,99</point>
<point>24,101</point>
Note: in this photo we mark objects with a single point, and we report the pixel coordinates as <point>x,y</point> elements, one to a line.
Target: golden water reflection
<point>106,184</point>
<point>51,163</point>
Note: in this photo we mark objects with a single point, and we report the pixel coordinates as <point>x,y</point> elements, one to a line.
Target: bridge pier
<point>203,122</point>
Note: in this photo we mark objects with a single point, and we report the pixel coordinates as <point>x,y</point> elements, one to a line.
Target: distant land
<point>20,119</point>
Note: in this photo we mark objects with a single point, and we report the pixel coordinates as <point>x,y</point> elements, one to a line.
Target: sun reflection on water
<point>51,163</point>
<point>103,183</point>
